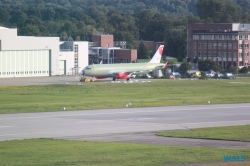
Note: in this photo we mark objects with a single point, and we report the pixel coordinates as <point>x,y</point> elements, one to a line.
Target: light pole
<point>237,68</point>
<point>222,63</point>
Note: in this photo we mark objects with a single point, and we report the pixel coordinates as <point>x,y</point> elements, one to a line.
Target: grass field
<point>233,133</point>
<point>100,95</point>
<point>61,152</point>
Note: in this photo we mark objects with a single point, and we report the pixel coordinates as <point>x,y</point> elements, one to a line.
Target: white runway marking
<point>5,126</point>
<point>127,112</point>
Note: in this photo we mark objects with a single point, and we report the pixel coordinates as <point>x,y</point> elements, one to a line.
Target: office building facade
<point>227,44</point>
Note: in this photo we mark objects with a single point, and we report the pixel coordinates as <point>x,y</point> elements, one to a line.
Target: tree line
<point>128,20</point>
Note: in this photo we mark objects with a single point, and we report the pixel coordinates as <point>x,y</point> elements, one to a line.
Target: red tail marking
<point>161,50</point>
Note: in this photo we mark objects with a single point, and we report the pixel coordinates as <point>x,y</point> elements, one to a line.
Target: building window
<point>224,45</point>
<point>195,45</point>
<point>235,55</point>
<point>195,37</point>
<point>205,54</point>
<point>220,37</point>
<point>215,37</point>
<point>209,54</point>
<point>246,46</point>
<point>195,54</point>
<point>209,45</point>
<point>240,55</point>
<point>214,54</point>
<point>225,54</point>
<point>200,54</point>
<point>246,37</point>
<point>240,46</point>
<point>234,45</point>
<point>219,45</point>
<point>200,46</point>
<point>246,54</point>
<point>214,45</point>
<point>240,37</point>
<point>205,45</point>
<point>229,55</point>
<point>230,45</point>
<point>219,28</point>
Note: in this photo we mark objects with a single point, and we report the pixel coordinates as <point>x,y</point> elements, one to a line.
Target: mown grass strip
<point>63,152</point>
<point>100,95</point>
<point>232,133</point>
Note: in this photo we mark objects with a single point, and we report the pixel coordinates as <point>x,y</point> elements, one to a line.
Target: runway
<point>99,125</point>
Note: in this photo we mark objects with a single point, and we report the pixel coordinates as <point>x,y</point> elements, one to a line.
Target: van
<point>196,74</point>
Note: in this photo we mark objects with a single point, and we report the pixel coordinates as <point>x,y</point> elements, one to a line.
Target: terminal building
<point>225,43</point>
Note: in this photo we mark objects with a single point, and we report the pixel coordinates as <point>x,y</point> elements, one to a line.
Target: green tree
<point>175,43</point>
<point>219,11</point>
<point>232,69</point>
<point>143,51</point>
<point>206,65</point>
<point>63,36</point>
<point>4,15</point>
<point>125,36</point>
<point>203,75</point>
<point>68,27</point>
<point>244,70</point>
<point>78,38</point>
<point>18,18</point>
<point>184,67</point>
<point>29,30</point>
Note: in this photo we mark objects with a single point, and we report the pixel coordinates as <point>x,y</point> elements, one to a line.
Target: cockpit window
<point>87,68</point>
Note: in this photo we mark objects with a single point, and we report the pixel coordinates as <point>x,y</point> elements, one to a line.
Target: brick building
<point>225,43</point>
<point>104,49</point>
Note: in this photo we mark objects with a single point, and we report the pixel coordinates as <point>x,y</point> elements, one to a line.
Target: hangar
<point>29,56</point>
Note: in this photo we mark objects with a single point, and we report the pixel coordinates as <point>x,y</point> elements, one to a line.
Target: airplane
<point>125,70</point>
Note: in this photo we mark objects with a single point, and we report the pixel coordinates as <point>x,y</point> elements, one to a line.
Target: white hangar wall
<point>25,63</point>
<point>27,56</point>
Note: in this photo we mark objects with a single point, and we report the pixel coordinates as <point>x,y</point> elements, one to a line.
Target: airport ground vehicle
<point>196,74</point>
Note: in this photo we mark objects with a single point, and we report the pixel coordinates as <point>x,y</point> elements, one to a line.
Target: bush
<point>203,75</point>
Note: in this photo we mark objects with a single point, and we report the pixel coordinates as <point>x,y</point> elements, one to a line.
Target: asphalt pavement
<point>114,125</point>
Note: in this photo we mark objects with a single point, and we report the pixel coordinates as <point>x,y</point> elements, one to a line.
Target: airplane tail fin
<point>157,56</point>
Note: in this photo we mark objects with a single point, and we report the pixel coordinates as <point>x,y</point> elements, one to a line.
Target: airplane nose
<point>83,72</point>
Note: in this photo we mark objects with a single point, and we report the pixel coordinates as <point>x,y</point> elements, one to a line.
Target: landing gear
<point>114,79</point>
<point>128,79</point>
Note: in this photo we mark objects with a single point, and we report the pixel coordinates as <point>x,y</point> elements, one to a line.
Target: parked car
<point>209,74</point>
<point>228,76</point>
<point>218,75</point>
